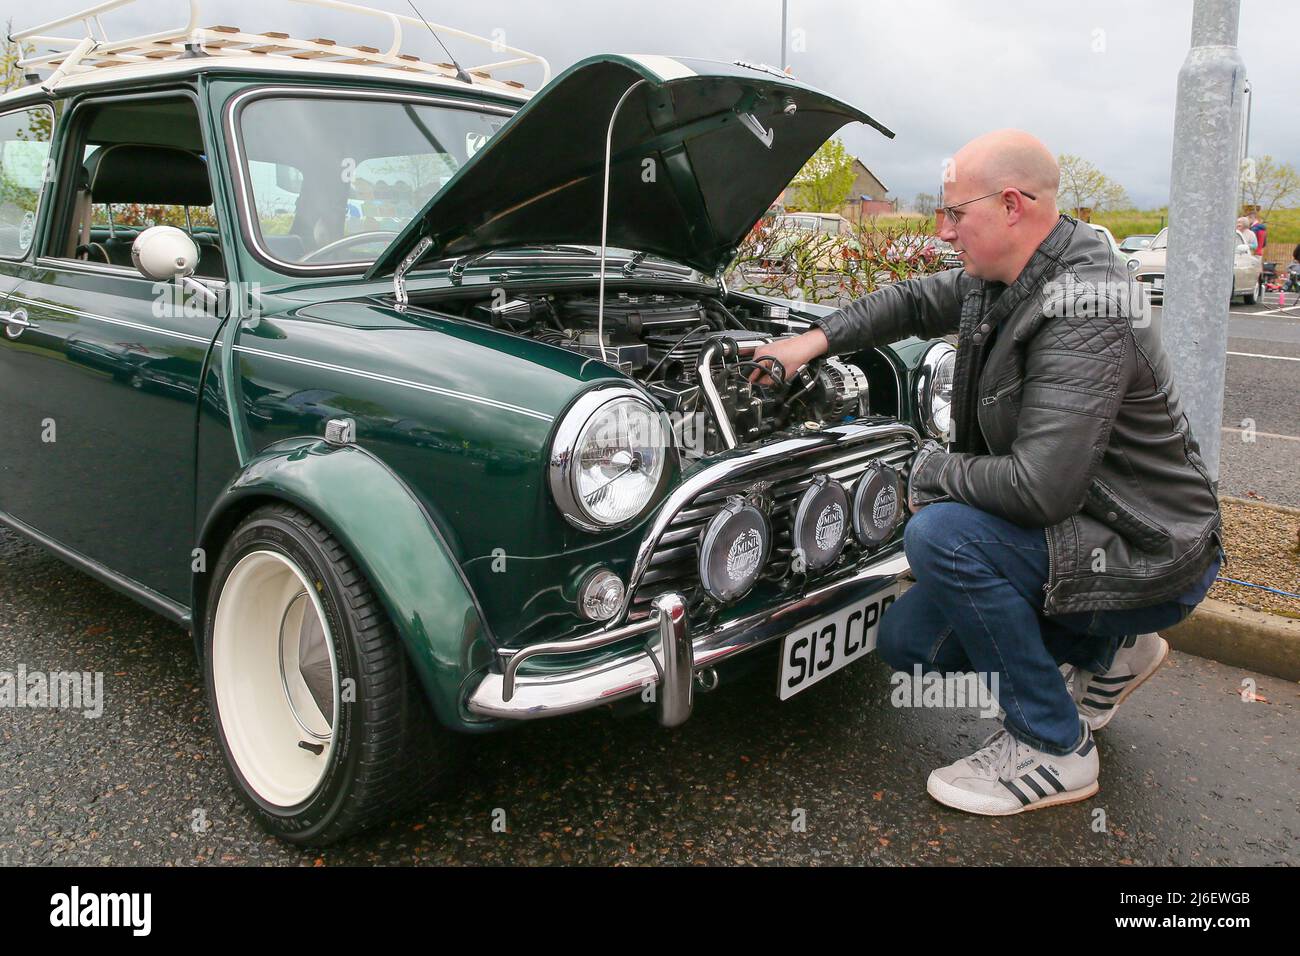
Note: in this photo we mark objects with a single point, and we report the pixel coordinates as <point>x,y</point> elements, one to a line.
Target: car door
<point>106,378</point>
<point>25,138</point>
<point>1244,267</point>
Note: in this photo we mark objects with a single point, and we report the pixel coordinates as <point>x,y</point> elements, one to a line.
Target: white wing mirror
<point>163,253</point>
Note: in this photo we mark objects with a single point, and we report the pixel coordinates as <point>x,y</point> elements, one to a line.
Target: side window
<point>143,163</point>
<point>138,216</point>
<point>24,150</point>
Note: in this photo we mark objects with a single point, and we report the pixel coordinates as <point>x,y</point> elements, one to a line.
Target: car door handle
<point>17,320</point>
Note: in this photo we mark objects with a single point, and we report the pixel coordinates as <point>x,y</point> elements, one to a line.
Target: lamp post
<point>1204,180</point>
<point>785,36</point>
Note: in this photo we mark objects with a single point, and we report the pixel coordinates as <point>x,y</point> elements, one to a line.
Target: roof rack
<point>95,49</point>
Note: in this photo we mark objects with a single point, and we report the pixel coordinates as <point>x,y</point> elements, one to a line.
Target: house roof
<point>867,170</point>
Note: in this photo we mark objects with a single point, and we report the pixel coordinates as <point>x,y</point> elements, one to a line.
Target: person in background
<point>1247,235</point>
<point>1260,229</point>
<point>1293,271</point>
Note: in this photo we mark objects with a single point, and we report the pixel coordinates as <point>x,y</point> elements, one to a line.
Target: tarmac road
<point>1191,774</point>
<point>1262,391</point>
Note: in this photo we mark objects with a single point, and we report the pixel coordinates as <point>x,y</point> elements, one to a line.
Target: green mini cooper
<point>423,403</point>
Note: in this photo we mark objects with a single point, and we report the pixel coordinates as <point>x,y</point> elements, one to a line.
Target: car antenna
<point>460,72</point>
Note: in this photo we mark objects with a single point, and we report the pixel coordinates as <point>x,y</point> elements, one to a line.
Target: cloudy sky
<point>1096,79</point>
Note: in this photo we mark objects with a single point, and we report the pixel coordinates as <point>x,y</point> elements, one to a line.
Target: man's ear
<point>1014,203</point>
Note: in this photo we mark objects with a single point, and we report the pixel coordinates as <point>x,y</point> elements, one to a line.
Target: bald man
<point>1070,516</point>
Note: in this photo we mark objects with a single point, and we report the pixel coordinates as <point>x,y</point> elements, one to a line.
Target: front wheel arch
<point>315,765</point>
<point>393,540</point>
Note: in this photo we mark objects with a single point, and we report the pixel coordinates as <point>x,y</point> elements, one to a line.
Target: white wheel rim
<point>275,678</point>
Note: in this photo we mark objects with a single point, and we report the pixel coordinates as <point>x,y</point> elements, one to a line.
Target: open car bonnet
<point>700,150</point>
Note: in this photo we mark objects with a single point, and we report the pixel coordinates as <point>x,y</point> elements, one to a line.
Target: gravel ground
<point>1263,546</point>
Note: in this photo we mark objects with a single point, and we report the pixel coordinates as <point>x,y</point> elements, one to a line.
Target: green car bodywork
<point>172,427</point>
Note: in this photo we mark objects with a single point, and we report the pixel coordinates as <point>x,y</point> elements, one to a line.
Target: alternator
<point>842,388</point>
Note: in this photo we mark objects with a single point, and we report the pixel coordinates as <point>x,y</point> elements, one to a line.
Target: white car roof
<point>136,72</point>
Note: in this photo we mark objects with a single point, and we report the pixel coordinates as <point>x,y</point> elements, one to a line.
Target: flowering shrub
<point>780,258</point>
<point>142,215</point>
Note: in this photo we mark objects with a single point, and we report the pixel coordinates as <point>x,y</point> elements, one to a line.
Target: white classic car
<point>1247,269</point>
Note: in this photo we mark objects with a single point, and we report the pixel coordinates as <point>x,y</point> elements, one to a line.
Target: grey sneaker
<point>1007,776</point>
<point>1098,695</point>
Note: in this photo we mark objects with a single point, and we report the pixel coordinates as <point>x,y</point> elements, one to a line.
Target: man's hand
<point>916,469</point>
<point>793,354</point>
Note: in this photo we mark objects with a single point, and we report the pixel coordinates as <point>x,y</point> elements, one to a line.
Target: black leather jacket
<point>1068,421</point>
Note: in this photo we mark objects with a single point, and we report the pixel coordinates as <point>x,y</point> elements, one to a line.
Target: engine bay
<point>694,355</point>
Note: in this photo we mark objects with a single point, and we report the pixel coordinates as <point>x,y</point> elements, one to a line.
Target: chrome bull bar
<point>668,658</point>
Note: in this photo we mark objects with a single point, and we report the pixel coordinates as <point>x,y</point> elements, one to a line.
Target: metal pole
<point>1203,186</point>
<point>784,65</point>
<point>1245,140</point>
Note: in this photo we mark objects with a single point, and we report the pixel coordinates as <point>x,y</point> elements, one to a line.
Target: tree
<point>925,203</point>
<point>825,180</point>
<point>1268,184</point>
<point>1084,186</point>
<point>11,74</point>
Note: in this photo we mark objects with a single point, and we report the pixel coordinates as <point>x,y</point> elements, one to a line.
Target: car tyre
<point>322,722</point>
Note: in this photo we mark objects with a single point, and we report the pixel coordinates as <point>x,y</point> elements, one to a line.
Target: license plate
<point>821,647</point>
<point>1157,283</point>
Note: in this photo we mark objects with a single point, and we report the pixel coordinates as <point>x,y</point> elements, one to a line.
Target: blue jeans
<point>978,606</point>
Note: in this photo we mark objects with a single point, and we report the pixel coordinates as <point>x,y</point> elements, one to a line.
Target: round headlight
<point>821,522</point>
<point>733,550</point>
<point>609,458</point>
<point>876,505</point>
<point>934,389</point>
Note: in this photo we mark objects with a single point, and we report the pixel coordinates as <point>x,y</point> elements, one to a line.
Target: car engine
<point>695,357</point>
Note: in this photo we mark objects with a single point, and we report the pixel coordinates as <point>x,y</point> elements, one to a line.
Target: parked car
<point>1247,270</point>
<point>826,234</point>
<point>1110,240</point>
<point>1135,243</point>
<point>926,247</point>
<point>410,482</point>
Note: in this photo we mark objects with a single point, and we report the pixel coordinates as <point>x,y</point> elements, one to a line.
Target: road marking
<point>1264,434</point>
<point>1281,358</point>
<point>1286,309</point>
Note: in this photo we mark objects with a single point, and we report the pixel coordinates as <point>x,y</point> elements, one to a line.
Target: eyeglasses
<point>950,212</point>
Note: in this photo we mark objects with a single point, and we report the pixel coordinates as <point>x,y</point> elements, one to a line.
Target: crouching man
<point>1071,516</point>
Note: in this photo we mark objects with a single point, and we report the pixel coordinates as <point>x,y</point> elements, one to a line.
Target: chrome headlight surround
<point>566,454</point>
<point>936,363</point>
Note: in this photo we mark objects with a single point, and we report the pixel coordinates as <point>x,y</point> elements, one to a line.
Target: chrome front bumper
<point>668,658</point>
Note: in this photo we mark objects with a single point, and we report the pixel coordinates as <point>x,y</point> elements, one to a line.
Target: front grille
<point>673,561</point>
